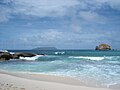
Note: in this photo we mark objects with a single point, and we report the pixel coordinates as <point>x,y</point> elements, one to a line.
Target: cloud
<point>43,8</point>
<point>52,8</point>
<point>98,4</point>
<point>38,8</point>
<point>115,4</point>
<point>48,37</point>
<point>55,37</point>
<point>92,16</point>
<point>5,14</point>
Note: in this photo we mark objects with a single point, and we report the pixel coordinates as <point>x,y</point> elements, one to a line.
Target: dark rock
<point>103,47</point>
<point>15,56</point>
<point>41,54</point>
<point>5,56</point>
<point>22,54</point>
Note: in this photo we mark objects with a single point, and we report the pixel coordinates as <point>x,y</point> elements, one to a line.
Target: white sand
<point>17,81</point>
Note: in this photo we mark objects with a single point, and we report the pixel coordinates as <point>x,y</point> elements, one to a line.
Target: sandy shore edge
<point>18,81</point>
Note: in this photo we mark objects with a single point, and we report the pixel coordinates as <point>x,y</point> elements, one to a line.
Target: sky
<point>65,24</point>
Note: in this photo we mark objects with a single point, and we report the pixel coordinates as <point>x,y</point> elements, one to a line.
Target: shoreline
<point>40,82</point>
<point>46,77</point>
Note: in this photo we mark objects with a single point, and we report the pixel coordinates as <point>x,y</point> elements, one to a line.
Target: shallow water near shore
<point>93,68</point>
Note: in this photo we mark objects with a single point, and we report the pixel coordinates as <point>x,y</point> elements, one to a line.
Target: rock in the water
<point>103,47</point>
<point>22,54</point>
<point>5,56</point>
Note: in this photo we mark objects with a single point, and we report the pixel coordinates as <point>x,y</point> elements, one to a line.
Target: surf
<point>93,58</point>
<point>31,58</point>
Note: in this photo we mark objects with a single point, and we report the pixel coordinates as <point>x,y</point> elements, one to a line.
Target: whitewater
<point>94,68</point>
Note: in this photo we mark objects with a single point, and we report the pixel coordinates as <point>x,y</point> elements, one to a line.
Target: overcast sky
<point>65,24</point>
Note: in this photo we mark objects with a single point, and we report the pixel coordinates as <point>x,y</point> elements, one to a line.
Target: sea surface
<point>93,68</point>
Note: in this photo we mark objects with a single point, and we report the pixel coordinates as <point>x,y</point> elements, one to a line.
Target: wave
<point>11,52</point>
<point>7,51</point>
<point>3,51</point>
<point>90,58</point>
<point>31,58</point>
<point>60,53</point>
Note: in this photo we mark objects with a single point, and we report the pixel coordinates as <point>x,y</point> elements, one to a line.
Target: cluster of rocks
<point>103,47</point>
<point>7,56</point>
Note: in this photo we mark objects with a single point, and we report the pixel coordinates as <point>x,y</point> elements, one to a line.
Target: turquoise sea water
<point>94,68</point>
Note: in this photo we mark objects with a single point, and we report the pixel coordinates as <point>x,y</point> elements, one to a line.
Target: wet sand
<point>16,81</point>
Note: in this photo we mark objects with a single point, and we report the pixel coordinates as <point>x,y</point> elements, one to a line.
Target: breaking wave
<point>59,53</point>
<point>3,51</point>
<point>31,58</point>
<point>90,58</point>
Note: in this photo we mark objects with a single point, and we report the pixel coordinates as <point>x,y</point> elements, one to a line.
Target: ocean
<point>93,68</point>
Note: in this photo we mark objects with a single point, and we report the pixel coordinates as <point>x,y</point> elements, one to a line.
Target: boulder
<point>22,54</point>
<point>5,56</point>
<point>103,47</point>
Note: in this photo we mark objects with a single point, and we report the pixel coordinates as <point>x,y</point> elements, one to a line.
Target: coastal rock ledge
<point>4,56</point>
<point>103,47</point>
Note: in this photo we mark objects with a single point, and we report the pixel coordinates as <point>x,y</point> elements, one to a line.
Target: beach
<point>62,70</point>
<point>17,81</point>
<point>59,45</point>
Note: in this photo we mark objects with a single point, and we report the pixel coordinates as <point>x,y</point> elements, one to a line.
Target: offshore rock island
<point>103,47</point>
<point>45,48</point>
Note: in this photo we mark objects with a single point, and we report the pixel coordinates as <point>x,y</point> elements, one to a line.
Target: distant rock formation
<point>103,47</point>
<point>45,48</point>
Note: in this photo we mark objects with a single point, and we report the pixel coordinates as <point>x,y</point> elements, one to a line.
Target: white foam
<point>90,58</point>
<point>12,53</point>
<point>31,58</point>
<point>3,51</point>
<point>59,52</point>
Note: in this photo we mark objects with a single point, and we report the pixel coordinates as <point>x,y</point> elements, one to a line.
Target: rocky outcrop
<point>103,47</point>
<point>4,56</point>
<point>21,54</point>
<point>25,54</point>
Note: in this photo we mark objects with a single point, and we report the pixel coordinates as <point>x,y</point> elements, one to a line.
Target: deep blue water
<point>96,68</point>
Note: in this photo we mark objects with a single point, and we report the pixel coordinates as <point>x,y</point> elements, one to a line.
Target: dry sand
<point>12,81</point>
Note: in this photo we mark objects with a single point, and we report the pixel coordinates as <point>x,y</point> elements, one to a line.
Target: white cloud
<point>39,8</point>
<point>52,8</point>
<point>92,16</point>
<point>5,10</point>
<point>115,4</point>
<point>51,35</point>
<point>43,8</point>
<point>48,37</point>
<point>55,37</point>
<point>4,14</point>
